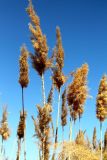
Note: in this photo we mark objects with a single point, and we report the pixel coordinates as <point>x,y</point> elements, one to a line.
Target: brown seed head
<point>77,90</point>
<point>101,104</point>
<point>40,60</point>
<point>22,125</point>
<point>59,50</point>
<point>23,78</point>
<point>4,129</point>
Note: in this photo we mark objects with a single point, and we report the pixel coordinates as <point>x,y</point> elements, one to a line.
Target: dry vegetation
<point>71,101</point>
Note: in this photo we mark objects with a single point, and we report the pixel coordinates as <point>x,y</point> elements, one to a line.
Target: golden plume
<point>42,128</point>
<point>23,78</point>
<point>22,125</point>
<point>77,90</point>
<point>4,129</point>
<point>40,60</point>
<point>101,110</point>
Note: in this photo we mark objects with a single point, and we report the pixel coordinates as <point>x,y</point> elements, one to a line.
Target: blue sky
<point>83,26</point>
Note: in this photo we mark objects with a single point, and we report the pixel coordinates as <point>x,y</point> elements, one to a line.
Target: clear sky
<point>83,26</point>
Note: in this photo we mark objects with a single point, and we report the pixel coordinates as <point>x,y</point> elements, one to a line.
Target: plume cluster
<point>77,91</point>
<point>40,60</point>
<point>23,78</point>
<point>4,129</point>
<point>42,128</point>
<point>101,105</point>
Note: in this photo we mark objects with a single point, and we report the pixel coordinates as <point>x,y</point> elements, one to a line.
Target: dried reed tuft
<point>21,132</point>
<point>77,90</point>
<point>42,128</point>
<point>101,105</point>
<point>58,78</point>
<point>22,125</point>
<point>4,129</point>
<point>59,50</point>
<point>40,59</point>
<point>23,78</point>
<point>101,110</point>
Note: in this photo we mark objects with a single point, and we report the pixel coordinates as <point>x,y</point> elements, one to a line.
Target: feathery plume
<point>59,50</point>
<point>40,60</point>
<point>101,106</point>
<point>77,90</point>
<point>23,78</point>
<point>22,125</point>
<point>42,128</point>
<point>4,129</point>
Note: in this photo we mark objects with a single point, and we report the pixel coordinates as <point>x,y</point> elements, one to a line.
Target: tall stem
<point>57,120</point>
<point>19,149</point>
<point>101,157</point>
<point>79,123</point>
<point>23,101</point>
<point>70,132</point>
<point>24,147</point>
<point>43,89</point>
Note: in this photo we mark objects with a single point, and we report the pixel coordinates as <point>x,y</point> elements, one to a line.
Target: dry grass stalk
<point>40,60</point>
<point>58,77</point>
<point>4,129</point>
<point>101,105</point>
<point>94,142</point>
<point>49,101</point>
<point>42,129</point>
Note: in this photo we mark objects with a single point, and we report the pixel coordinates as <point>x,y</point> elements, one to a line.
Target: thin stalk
<point>24,147</point>
<point>19,149</point>
<point>57,120</point>
<point>70,132</point>
<point>79,123</point>
<point>62,134</point>
<point>23,108</point>
<point>101,156</point>
<point>2,147</point>
<point>23,101</point>
<point>43,90</point>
